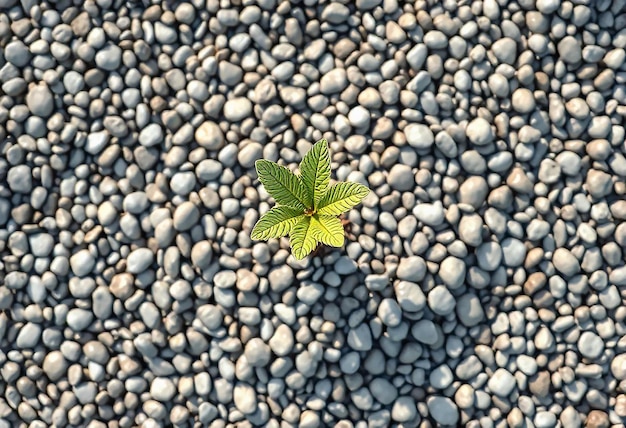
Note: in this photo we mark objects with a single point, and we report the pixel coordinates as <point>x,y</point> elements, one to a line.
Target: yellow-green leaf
<point>328,230</point>
<point>341,197</point>
<point>315,172</point>
<point>302,239</point>
<point>282,184</point>
<point>276,223</point>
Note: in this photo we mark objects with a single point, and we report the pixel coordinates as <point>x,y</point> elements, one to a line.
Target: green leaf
<point>302,239</point>
<point>328,230</point>
<point>276,223</point>
<point>282,184</point>
<point>315,172</point>
<point>341,197</point>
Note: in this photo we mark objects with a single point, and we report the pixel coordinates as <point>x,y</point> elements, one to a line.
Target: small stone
<point>441,301</point>
<point>20,179</point>
<point>237,109</point>
<point>618,366</point>
<point>505,49</point>
<point>39,101</point>
<point>389,312</point>
<point>452,272</point>
<point>565,262</point>
<point>210,136</point>
<point>257,352</point>
<point>590,345</point>
<point>360,338</point>
<point>430,214</point>
<point>17,53</point>
<point>470,229</point>
<point>501,383</point>
<point>597,419</point>
<point>96,142</point>
<point>82,263</point>
<point>334,81</point>
<point>513,252</point>
<point>139,260</point>
<point>569,50</point>
<point>282,341</point>
<point>411,268</point>
<point>469,310</point>
<point>28,336</point>
<point>404,408</point>
<point>549,171</point>
<point>426,332</point>
<point>109,57</point>
<point>473,191</point>
<point>186,216</point>
<point>162,389</point>
<point>151,135</point>
<point>443,410</point>
<point>545,419</point>
<point>441,377</point>
<point>244,397</point>
<point>410,296</point>
<point>55,365</point>
<point>489,256</point>
<point>523,100</point>
<point>79,319</point>
<point>419,136</point>
<point>479,132</point>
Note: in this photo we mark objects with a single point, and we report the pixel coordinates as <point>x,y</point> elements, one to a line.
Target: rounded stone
<point>479,132</point>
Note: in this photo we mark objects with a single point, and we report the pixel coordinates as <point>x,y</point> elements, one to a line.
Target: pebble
<point>443,410</point>
<point>565,262</point>
<point>151,135</point>
<point>55,365</point>
<point>404,409</point>
<point>82,263</point>
<point>569,50</point>
<point>469,310</point>
<point>411,269</point>
<point>452,272</point>
<point>20,179</point>
<point>501,383</point>
<point>419,136</point>
<point>244,398</point>
<point>489,256</point>
<point>210,136</point>
<point>162,389</point>
<point>237,109</point>
<point>40,101</point>
<point>479,132</point>
<point>139,260</point>
<point>401,178</point>
<point>441,301</point>
<point>590,345</point>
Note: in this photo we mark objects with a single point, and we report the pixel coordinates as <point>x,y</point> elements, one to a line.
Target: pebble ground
<point>483,283</point>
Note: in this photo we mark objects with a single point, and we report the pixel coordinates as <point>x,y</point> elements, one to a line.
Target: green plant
<point>307,205</point>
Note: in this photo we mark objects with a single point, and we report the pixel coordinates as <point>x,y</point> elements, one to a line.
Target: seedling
<point>307,205</point>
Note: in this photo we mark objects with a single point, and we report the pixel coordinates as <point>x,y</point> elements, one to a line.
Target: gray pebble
<point>109,57</point>
<point>151,135</point>
<point>443,410</point>
<point>40,101</point>
<point>590,345</point>
<point>469,310</point>
<point>20,179</point>
<point>82,263</point>
<point>501,383</point>
<point>441,301</point>
<point>139,260</point>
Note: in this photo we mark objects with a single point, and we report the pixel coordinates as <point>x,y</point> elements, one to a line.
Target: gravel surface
<point>482,281</point>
